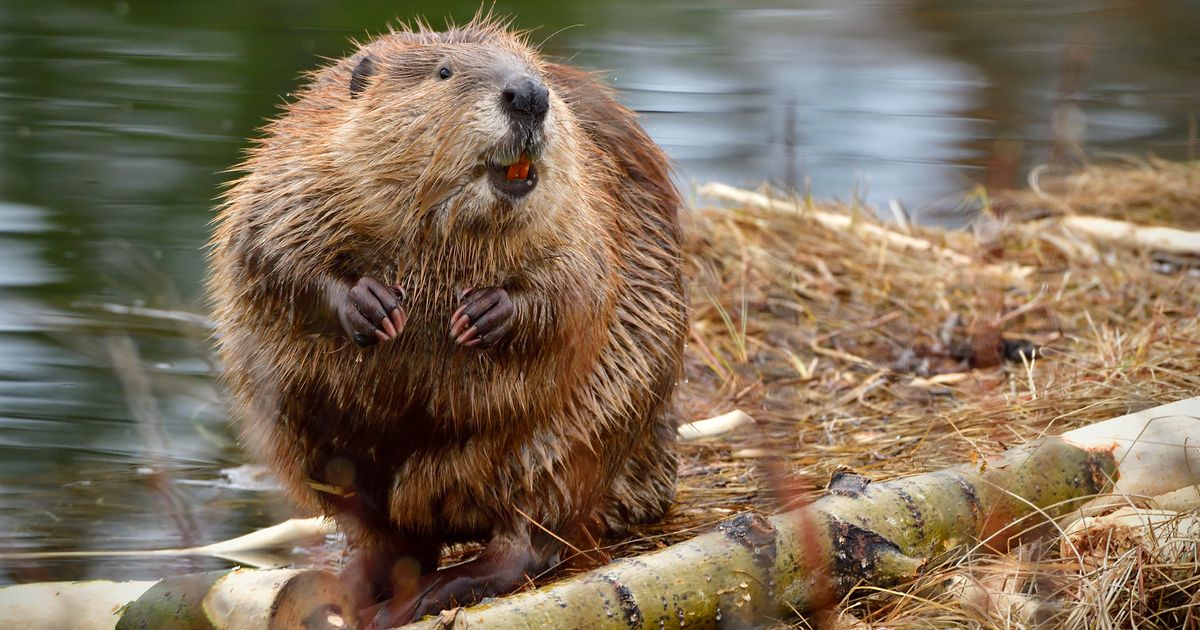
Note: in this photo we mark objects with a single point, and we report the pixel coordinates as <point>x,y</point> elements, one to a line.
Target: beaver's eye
<point>444,73</point>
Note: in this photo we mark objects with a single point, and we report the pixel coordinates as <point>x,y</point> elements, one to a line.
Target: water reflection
<point>118,118</point>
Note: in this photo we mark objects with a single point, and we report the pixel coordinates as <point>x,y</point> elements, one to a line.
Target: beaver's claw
<point>484,318</point>
<point>371,312</point>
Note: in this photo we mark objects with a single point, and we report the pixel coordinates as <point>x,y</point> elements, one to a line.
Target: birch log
<point>753,569</point>
<point>238,599</point>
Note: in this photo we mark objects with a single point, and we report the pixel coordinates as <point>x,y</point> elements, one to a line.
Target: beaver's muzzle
<point>525,99</point>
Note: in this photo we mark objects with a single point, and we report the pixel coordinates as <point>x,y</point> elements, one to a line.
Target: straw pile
<point>849,351</point>
<point>1151,191</point>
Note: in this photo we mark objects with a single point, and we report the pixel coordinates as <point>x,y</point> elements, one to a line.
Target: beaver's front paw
<point>483,319</point>
<point>371,312</point>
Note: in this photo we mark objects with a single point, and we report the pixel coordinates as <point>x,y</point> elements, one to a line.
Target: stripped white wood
<point>1163,239</point>
<point>92,605</point>
<point>1157,450</point>
<point>712,427</point>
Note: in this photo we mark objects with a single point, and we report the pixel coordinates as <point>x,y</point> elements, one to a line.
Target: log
<point>753,568</point>
<point>242,598</point>
<point>253,549</point>
<point>844,222</point>
<point>233,599</point>
<point>219,599</point>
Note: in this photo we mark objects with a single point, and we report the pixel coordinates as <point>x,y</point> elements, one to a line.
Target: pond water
<point>118,118</point>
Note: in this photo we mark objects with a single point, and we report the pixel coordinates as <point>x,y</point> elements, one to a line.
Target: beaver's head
<point>460,126</point>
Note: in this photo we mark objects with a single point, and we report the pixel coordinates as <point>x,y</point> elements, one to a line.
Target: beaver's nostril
<point>526,97</point>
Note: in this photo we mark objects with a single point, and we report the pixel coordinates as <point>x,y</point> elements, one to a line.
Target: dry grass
<point>849,353</point>
<point>1149,191</point>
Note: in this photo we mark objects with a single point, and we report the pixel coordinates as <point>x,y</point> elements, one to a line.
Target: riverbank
<point>851,349</point>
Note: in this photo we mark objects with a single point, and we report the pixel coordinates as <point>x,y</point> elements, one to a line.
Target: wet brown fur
<point>421,442</point>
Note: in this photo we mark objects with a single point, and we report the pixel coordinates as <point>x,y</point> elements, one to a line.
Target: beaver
<point>450,308</point>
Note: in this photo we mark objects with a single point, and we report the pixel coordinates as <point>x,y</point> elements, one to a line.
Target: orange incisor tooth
<point>519,169</point>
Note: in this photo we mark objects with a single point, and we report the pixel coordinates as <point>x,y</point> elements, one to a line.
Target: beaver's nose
<point>527,98</point>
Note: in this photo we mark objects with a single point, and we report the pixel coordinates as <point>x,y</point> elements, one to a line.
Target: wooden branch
<point>843,222</point>
<point>251,549</point>
<point>754,568</point>
<point>1124,234</point>
<point>248,549</point>
<point>91,605</point>
<point>712,427</point>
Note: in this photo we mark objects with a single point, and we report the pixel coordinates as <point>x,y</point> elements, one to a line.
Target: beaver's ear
<point>358,78</point>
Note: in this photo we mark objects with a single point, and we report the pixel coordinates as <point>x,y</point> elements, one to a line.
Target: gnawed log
<point>234,599</point>
<point>242,599</point>
<point>754,568</point>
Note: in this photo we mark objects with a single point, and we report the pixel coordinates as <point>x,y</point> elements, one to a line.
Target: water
<point>118,118</point>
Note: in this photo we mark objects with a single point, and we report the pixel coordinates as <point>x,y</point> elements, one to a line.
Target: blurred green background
<point>118,120</point>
